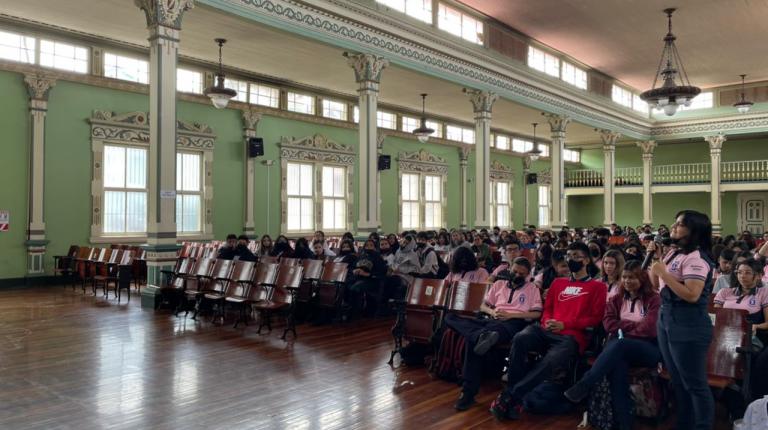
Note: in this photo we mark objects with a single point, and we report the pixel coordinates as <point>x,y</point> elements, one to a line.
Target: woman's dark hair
<point>445,237</point>
<point>373,241</point>
<point>349,243</point>
<point>463,260</point>
<point>727,254</point>
<point>636,267</point>
<point>599,245</point>
<point>755,265</point>
<point>699,232</point>
<point>546,256</point>
<point>301,249</point>
<point>550,273</point>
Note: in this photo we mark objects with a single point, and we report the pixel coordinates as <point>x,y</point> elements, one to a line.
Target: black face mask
<point>345,251</point>
<point>574,266</point>
<point>518,281</point>
<point>241,247</point>
<point>420,245</point>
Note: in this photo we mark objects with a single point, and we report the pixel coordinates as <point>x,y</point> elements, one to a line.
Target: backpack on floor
<point>649,394</point>
<point>600,407</point>
<point>449,361</point>
<point>415,353</point>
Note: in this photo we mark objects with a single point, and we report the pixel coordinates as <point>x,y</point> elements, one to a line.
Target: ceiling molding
<point>741,124</point>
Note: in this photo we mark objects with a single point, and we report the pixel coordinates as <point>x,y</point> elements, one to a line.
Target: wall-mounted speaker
<point>385,162</point>
<point>255,147</point>
<point>531,178</point>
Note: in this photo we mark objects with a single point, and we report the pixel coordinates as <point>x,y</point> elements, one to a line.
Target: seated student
<point>266,245</point>
<point>724,282</point>
<point>318,251</point>
<point>511,252</point>
<point>394,243</point>
<point>406,259</point>
<point>630,321</point>
<point>301,249</point>
<point>511,303</point>
<point>746,292</point>
<point>543,256</point>
<point>528,239</point>
<point>428,263</point>
<point>282,248</point>
<point>596,250</point>
<point>724,261</point>
<point>558,269</point>
<point>346,254</point>
<point>443,243</point>
<point>320,236</point>
<point>370,270</point>
<point>464,268</point>
<point>482,251</point>
<point>242,252</point>
<point>386,253</point>
<point>572,305</point>
<point>613,265</point>
<point>633,250</point>
<point>228,251</point>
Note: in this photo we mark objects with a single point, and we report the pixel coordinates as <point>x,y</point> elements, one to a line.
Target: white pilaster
<point>463,157</point>
<point>368,70</point>
<point>647,146</point>
<point>526,172</point>
<point>609,139</point>
<point>558,125</point>
<point>38,87</point>
<point>482,105</point>
<point>250,122</point>
<point>715,147</point>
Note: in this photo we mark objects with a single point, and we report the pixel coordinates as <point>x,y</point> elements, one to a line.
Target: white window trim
<point>423,164</point>
<point>502,173</point>
<point>132,129</point>
<point>319,151</point>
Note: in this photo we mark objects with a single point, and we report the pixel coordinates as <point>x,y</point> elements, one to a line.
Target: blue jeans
<point>684,333</point>
<point>615,360</point>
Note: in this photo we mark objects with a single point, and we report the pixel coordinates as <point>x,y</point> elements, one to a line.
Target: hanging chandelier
<point>423,132</point>
<point>743,105</point>
<point>218,93</point>
<point>670,96</point>
<point>535,152</point>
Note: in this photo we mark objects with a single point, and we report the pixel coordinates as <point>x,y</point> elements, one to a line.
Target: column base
<point>36,256</point>
<point>365,228</point>
<point>250,232</point>
<point>482,224</point>
<point>717,229</point>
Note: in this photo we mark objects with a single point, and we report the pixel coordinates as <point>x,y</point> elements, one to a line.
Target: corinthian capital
<point>367,67</point>
<point>482,101</point>
<point>167,13</point>
<point>609,139</point>
<point>647,146</point>
<point>557,123</point>
<point>38,86</point>
<point>251,119</point>
<point>715,142</point>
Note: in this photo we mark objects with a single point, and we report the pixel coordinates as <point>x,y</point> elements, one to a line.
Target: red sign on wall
<point>5,221</point>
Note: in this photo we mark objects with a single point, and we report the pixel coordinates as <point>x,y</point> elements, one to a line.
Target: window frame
<point>199,89</point>
<point>312,102</point>
<point>479,37</point>
<point>547,205</point>
<point>495,205</point>
<point>124,189</point>
<point>424,165</point>
<point>53,66</point>
<point>23,38</point>
<point>199,193</point>
<point>119,55</point>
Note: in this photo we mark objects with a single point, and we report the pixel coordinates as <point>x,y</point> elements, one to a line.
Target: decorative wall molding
<point>164,12</point>
<point>316,148</point>
<point>544,177</point>
<point>39,85</point>
<point>749,123</point>
<point>133,127</point>
<point>501,172</point>
<point>422,161</point>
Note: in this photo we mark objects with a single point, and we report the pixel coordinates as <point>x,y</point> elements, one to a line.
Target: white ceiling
<point>718,39</point>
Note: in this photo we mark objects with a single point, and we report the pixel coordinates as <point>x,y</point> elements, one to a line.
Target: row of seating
<point>116,266</point>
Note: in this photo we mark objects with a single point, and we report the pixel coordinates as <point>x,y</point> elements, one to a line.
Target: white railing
<point>692,173</point>
<point>629,176</point>
<point>744,171</point>
<point>584,178</point>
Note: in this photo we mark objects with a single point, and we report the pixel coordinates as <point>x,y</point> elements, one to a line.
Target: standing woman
<point>684,276</point>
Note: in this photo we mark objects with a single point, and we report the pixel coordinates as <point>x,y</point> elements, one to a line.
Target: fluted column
<point>38,87</point>
<point>558,125</point>
<point>463,157</point>
<point>609,139</point>
<point>250,122</point>
<point>482,105</point>
<point>647,146</point>
<point>379,151</point>
<point>526,172</point>
<point>368,68</point>
<point>164,25</point>
<point>715,147</point>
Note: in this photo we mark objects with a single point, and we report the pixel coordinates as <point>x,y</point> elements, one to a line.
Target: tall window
<point>386,120</point>
<point>419,9</point>
<point>334,110</point>
<point>521,145</point>
<point>189,192</point>
<point>543,204</point>
<point>334,198</point>
<point>240,86</point>
<point>573,75</point>
<point>621,96</point>
<point>543,62</point>
<point>433,201</point>
<point>189,81</point>
<point>301,103</point>
<point>264,95</point>
<point>411,201</point>
<point>459,24</point>
<point>64,56</point>
<point>409,124</point>
<point>503,142</point>
<point>16,47</point>
<point>571,155</point>
<point>500,210</point>
<point>125,190</point>
<point>300,193</point>
<point>126,68</point>
<point>460,134</point>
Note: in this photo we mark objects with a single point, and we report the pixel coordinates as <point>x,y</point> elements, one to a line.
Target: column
<point>250,122</point>
<point>715,147</point>
<point>368,70</point>
<point>38,87</point>
<point>482,104</point>
<point>526,172</point>
<point>164,25</point>
<point>463,157</point>
<point>379,151</point>
<point>557,124</point>
<point>647,146</point>
<point>609,139</point>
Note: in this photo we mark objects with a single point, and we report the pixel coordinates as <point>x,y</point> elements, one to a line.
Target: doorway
<point>752,216</point>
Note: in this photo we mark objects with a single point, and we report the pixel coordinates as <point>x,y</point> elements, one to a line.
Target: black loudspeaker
<point>255,147</point>
<point>384,162</point>
<point>531,178</point>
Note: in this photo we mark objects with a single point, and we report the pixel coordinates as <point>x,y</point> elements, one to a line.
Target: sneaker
<point>485,342</point>
<point>464,402</point>
<point>576,394</point>
<point>503,408</point>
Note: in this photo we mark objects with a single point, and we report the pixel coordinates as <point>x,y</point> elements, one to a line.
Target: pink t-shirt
<point>613,289</point>
<point>632,310</point>
<point>502,267</point>
<point>729,298</point>
<point>765,274</point>
<point>685,266</point>
<point>524,299</point>
<point>475,276</point>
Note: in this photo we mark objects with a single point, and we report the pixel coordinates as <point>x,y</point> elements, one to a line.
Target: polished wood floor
<point>69,361</point>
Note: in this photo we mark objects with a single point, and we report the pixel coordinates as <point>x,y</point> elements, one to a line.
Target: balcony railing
<point>692,173</point>
<point>744,171</point>
<point>629,176</point>
<point>584,178</point>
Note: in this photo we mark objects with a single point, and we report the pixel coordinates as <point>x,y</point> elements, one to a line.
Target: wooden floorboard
<point>69,361</point>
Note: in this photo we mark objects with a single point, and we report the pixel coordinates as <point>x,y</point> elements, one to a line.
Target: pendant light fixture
<point>423,132</point>
<point>743,105</point>
<point>218,93</point>
<point>670,96</point>
<point>535,152</point>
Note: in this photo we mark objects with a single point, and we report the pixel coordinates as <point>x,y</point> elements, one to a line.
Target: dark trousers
<point>615,360</point>
<point>760,374</point>
<point>471,329</point>
<point>684,334</point>
<point>558,352</point>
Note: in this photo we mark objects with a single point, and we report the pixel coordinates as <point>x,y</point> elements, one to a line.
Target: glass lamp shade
<point>670,109</point>
<point>533,157</point>
<point>423,132</point>
<point>743,106</point>
<point>423,138</point>
<point>219,94</point>
<point>220,101</point>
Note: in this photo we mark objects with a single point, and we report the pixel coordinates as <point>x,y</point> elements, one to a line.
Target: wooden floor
<point>69,361</point>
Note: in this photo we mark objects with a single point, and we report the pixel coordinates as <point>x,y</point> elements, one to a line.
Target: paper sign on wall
<point>5,220</point>
<point>167,194</point>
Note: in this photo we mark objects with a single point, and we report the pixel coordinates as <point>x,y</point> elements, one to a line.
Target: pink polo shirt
<point>632,310</point>
<point>476,276</point>
<point>613,289</point>
<point>685,266</point>
<point>730,298</point>
<point>524,299</point>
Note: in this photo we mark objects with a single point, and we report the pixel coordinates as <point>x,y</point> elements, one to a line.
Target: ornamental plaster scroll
<point>167,13</point>
<point>500,171</point>
<point>482,101</point>
<point>422,161</point>
<point>39,85</point>
<point>316,148</point>
<point>544,177</point>
<point>367,67</point>
<point>133,127</point>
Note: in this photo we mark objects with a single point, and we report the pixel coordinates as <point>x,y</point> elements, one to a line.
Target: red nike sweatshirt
<point>577,304</point>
